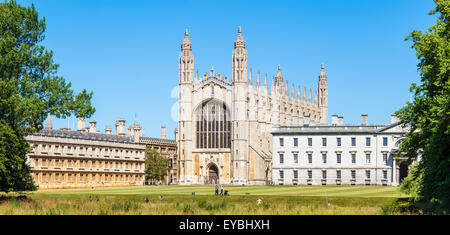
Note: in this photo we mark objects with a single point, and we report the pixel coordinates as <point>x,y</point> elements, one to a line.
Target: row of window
<point>338,158</point>
<point>83,164</point>
<point>91,178</point>
<point>70,150</point>
<point>338,141</point>
<point>338,174</point>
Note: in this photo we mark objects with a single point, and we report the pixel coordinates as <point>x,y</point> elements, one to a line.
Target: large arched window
<point>213,125</point>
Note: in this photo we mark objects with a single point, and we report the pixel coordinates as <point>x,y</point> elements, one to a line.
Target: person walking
<point>221,190</point>
<point>216,190</point>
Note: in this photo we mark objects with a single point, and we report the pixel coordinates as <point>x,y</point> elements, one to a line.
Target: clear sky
<point>126,52</point>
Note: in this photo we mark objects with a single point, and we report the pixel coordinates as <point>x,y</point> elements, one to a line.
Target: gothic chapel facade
<point>225,125</point>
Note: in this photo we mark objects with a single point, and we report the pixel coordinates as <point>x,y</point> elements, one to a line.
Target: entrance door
<point>403,171</point>
<point>213,174</point>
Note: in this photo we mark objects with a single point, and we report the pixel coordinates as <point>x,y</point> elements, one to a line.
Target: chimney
<point>108,130</point>
<point>93,126</point>
<point>394,119</point>
<point>341,120</point>
<point>81,124</point>
<point>334,119</point>
<point>306,121</point>
<point>120,127</point>
<point>130,131</point>
<point>137,130</point>
<point>163,132</point>
<point>363,119</point>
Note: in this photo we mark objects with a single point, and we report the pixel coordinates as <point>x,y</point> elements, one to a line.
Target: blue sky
<point>127,51</point>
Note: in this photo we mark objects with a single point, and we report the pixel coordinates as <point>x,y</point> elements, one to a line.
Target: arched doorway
<point>213,174</point>
<point>403,171</point>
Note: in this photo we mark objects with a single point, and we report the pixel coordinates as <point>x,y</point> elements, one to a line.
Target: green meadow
<point>179,200</point>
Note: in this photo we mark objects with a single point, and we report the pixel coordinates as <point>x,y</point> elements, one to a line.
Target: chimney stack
<point>334,119</point>
<point>137,130</point>
<point>93,126</point>
<point>108,130</point>
<point>394,119</point>
<point>341,120</point>
<point>363,119</point>
<point>120,127</point>
<point>81,124</point>
<point>163,132</point>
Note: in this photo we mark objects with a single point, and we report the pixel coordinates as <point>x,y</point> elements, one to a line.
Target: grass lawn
<point>360,200</point>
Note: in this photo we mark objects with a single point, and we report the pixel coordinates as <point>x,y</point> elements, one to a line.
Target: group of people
<point>222,192</point>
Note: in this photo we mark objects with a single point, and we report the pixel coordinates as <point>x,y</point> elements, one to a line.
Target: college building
<point>225,124</point>
<point>339,154</point>
<point>85,157</point>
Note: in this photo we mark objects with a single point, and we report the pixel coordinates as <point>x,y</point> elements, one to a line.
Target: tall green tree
<point>30,89</point>
<point>156,166</point>
<point>429,115</point>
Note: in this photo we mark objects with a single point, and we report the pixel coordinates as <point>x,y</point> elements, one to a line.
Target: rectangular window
<point>295,174</point>
<point>295,142</point>
<point>295,157</point>
<point>309,141</point>
<point>324,174</point>
<point>368,158</point>
<point>367,141</point>
<point>338,139</point>
<point>324,158</point>
<point>281,142</point>
<point>309,158</point>
<point>353,157</point>
<point>324,141</point>
<point>353,174</point>
<point>353,141</point>
<point>385,141</point>
<point>385,158</point>
<point>384,174</point>
<point>368,174</point>
<point>281,175</point>
<point>338,174</point>
<point>338,158</point>
<point>310,174</point>
<point>281,158</point>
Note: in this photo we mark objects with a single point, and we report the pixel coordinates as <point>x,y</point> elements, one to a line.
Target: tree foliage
<point>156,166</point>
<point>429,115</point>
<point>30,89</point>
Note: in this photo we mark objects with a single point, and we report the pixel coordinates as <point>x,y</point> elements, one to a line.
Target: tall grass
<point>76,204</point>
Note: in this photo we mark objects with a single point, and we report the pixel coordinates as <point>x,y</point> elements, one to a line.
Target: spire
<point>304,95</point>
<point>310,98</point>
<point>279,76</point>
<point>265,83</point>
<point>239,42</point>
<point>293,91</point>
<point>322,74</point>
<point>186,43</point>
<point>258,81</point>
<point>48,123</point>
<point>315,98</point>
<point>299,95</point>
<point>212,71</point>
<point>286,88</point>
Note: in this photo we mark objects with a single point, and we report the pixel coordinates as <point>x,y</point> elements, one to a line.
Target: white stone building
<point>333,154</point>
<point>224,125</point>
